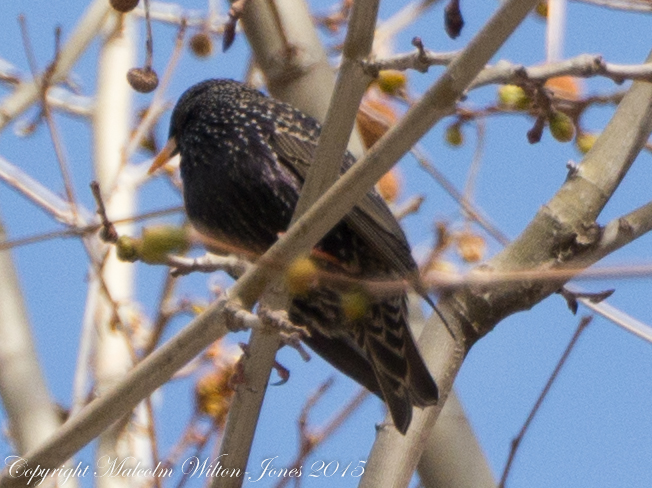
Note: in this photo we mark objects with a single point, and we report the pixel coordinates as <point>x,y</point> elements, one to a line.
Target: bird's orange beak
<point>164,156</point>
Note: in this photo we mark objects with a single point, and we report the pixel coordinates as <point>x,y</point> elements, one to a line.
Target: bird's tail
<point>402,375</point>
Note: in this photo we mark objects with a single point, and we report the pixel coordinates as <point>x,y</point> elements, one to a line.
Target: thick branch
<point>340,119</point>
<point>452,456</point>
<point>31,413</point>
<point>349,89</point>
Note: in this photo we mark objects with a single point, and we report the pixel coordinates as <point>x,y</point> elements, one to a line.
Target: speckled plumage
<point>244,158</point>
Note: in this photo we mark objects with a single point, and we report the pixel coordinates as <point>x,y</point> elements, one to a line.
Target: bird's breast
<point>237,194</point>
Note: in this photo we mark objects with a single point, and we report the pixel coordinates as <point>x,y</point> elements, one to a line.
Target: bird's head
<point>203,100</point>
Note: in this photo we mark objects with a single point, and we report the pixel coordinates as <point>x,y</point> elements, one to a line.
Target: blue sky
<point>594,429</point>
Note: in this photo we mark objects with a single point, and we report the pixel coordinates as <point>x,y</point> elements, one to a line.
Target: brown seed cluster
<point>201,45</point>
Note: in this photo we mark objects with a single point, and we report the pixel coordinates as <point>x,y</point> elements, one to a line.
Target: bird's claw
<point>237,318</point>
<point>280,320</point>
<point>290,334</point>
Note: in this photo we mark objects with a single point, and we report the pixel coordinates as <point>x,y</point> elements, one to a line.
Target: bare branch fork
<point>563,234</point>
<point>627,228</point>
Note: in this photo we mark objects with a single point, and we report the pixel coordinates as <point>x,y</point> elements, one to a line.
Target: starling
<point>244,157</point>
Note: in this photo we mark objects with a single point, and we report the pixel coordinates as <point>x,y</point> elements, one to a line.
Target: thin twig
<point>149,42</point>
<point>153,439</point>
<point>163,315</point>
<point>28,92</point>
<point>311,440</point>
<point>626,5</point>
<point>475,163</point>
<point>45,111</point>
<point>505,72</point>
<point>412,206</point>
<point>77,231</point>
<point>388,29</point>
<point>456,195</point>
<point>108,232</point>
<point>555,373</point>
<point>27,45</point>
<point>175,14</point>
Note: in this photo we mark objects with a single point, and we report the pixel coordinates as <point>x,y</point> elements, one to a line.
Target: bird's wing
<point>370,218</point>
<point>344,354</point>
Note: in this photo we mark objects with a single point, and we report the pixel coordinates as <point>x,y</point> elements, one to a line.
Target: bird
<point>244,158</point>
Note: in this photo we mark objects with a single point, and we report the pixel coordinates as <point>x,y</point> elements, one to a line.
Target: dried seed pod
<point>123,6</point>
<point>143,80</point>
<point>374,118</point>
<point>536,132</point>
<point>453,20</point>
<point>389,186</point>
<point>471,247</point>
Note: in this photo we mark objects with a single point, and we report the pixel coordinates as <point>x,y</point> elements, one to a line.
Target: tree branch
<point>582,66</point>
<point>452,456</point>
<point>29,92</point>
<point>351,84</point>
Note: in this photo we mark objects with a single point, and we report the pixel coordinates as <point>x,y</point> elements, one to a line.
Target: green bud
<point>561,127</point>
<point>159,241</point>
<point>513,97</point>
<point>454,135</point>
<point>127,248</point>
